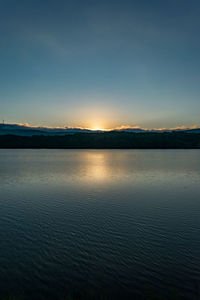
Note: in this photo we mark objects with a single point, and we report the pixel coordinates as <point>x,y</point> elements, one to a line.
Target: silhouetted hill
<point>26,130</point>
<point>106,140</point>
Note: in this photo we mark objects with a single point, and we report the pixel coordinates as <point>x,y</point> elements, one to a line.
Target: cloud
<point>185,127</point>
<point>135,127</point>
<point>118,128</point>
<point>124,127</point>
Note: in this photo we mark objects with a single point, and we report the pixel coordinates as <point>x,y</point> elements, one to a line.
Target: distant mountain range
<point>24,130</point>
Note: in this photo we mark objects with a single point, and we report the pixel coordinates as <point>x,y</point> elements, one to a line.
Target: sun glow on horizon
<point>98,126</point>
<point>95,128</point>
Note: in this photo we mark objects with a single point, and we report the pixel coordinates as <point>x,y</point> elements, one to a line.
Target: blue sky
<point>100,64</point>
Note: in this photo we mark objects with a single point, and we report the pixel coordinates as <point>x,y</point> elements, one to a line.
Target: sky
<point>100,64</point>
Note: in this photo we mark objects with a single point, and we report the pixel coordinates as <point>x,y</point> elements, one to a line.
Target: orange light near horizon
<point>97,128</point>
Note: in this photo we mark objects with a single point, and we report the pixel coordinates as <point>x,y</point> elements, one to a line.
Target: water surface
<point>117,223</point>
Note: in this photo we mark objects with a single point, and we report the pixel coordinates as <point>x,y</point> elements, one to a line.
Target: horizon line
<point>117,128</point>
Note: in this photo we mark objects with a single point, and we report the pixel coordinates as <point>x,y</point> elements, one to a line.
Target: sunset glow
<point>99,149</point>
<point>107,66</point>
<point>97,128</point>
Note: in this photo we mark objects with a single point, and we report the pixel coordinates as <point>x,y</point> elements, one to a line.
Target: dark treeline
<point>108,140</point>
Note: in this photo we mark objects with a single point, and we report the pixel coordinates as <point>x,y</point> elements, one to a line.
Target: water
<point>115,223</point>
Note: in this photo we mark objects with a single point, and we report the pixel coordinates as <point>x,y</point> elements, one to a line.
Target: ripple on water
<point>118,222</point>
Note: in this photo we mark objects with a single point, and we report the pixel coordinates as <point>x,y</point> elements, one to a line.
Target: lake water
<point>115,223</point>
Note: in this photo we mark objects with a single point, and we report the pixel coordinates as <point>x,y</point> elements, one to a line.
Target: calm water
<point>119,223</point>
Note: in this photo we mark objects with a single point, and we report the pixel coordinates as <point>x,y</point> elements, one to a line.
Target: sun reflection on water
<point>96,166</point>
<point>93,167</point>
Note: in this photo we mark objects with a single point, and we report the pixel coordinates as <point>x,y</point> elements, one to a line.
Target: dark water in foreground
<point>118,223</point>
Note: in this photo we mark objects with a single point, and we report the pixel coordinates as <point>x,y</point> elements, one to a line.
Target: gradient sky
<point>100,63</point>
